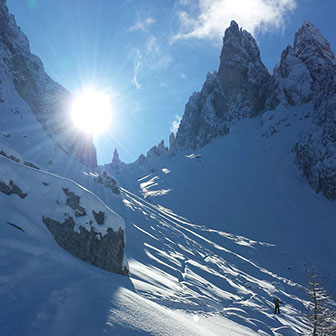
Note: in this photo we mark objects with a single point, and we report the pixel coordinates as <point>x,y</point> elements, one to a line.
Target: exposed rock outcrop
<point>108,182</point>
<point>106,251</point>
<point>154,152</point>
<point>11,189</point>
<point>304,79</point>
<point>116,163</point>
<point>74,203</point>
<point>238,90</point>
<point>306,74</point>
<point>157,150</point>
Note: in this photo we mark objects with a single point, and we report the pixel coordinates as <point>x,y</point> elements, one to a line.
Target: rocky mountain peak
<point>311,47</point>
<point>116,162</point>
<point>305,71</point>
<point>238,45</point>
<point>238,90</point>
<point>305,76</point>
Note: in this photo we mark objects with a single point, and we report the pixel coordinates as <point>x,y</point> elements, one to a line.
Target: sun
<point>91,111</point>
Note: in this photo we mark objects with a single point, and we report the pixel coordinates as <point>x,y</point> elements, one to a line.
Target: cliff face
<point>237,91</point>
<point>49,101</point>
<point>303,80</point>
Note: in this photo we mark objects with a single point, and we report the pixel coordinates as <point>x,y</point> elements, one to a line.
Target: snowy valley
<point>194,239</point>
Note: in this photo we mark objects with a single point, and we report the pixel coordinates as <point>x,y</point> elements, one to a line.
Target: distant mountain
<point>304,81</point>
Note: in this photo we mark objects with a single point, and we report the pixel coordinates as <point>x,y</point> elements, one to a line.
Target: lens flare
<point>91,111</point>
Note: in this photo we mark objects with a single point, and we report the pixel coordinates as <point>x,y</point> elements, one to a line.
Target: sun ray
<point>91,111</point>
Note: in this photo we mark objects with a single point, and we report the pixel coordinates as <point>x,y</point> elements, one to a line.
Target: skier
<point>277,305</point>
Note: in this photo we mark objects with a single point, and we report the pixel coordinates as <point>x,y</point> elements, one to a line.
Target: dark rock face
<point>73,202</point>
<point>31,165</point>
<point>106,251</point>
<point>291,82</point>
<point>11,189</point>
<point>108,182</point>
<point>307,73</point>
<point>49,101</point>
<point>238,90</point>
<point>99,217</point>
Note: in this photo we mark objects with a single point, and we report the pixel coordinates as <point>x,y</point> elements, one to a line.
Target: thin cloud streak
<point>214,16</point>
<point>137,65</point>
<point>142,25</point>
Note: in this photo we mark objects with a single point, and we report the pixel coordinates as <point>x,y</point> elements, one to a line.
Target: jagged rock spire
<point>311,47</point>
<point>115,158</point>
<point>116,162</point>
<point>306,75</point>
<point>238,90</point>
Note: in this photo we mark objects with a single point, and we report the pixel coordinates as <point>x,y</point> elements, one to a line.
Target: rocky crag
<point>238,90</point>
<point>304,79</point>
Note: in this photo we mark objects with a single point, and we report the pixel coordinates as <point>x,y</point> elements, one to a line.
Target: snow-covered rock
<point>50,102</point>
<point>238,90</point>
<point>116,163</point>
<point>76,218</point>
<point>38,138</point>
<point>306,75</point>
<point>157,150</point>
<point>154,152</point>
<point>303,87</point>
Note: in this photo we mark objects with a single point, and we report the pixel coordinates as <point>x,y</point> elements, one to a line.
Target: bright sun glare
<point>91,111</point>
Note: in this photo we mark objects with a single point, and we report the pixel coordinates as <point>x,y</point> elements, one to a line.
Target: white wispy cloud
<point>137,65</point>
<point>152,56</point>
<point>155,55</point>
<point>212,17</point>
<point>142,25</point>
<point>175,124</point>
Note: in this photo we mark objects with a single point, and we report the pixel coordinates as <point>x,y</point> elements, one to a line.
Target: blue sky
<point>151,55</point>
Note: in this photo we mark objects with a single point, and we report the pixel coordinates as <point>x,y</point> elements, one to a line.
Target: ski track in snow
<point>190,271</point>
<point>187,277</point>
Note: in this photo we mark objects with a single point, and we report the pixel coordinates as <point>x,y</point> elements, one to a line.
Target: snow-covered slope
<point>35,132</point>
<point>242,88</point>
<point>23,81</point>
<point>212,235</point>
<point>34,201</point>
<point>306,75</point>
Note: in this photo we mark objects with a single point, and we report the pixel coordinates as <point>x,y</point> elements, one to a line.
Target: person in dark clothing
<point>276,305</point>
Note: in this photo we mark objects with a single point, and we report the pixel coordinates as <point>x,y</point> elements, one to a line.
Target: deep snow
<point>211,238</point>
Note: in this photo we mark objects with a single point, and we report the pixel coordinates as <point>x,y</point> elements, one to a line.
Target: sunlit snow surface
<point>238,227</point>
